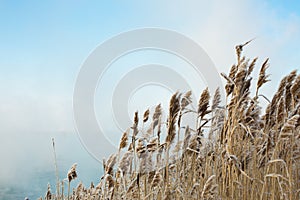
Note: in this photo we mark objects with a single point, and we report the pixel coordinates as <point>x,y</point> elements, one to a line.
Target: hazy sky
<point>43,45</point>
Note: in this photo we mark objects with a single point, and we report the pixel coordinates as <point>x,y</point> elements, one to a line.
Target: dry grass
<point>246,154</point>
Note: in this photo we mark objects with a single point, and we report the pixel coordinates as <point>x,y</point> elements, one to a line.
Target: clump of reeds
<point>235,151</point>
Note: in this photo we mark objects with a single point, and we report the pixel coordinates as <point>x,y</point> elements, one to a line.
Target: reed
<point>236,151</point>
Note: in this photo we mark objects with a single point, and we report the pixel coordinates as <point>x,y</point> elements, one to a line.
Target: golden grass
<point>246,154</point>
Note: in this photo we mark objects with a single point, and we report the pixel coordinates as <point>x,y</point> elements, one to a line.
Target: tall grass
<point>234,152</point>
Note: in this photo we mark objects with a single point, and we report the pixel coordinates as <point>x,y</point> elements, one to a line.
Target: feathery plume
<point>124,140</point>
<point>173,113</point>
<point>216,99</point>
<point>203,103</point>
<point>72,174</point>
<point>146,115</point>
<point>263,77</point>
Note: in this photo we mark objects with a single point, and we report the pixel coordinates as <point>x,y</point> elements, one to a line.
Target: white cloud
<point>229,24</point>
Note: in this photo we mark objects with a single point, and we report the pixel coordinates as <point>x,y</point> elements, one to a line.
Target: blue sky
<point>44,43</point>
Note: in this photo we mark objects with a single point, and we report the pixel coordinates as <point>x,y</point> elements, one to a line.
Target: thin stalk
<point>56,168</point>
<point>69,190</point>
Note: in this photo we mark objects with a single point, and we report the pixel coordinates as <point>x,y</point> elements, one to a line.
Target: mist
<point>44,46</point>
